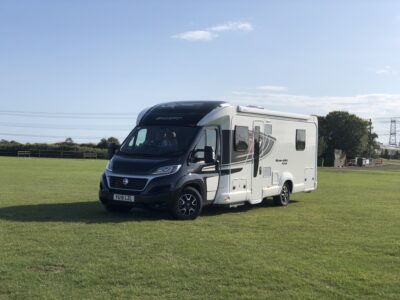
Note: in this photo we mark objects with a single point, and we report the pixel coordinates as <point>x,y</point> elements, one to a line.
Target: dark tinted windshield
<point>159,140</point>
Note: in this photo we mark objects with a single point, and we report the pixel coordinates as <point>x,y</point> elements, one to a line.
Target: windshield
<point>159,140</point>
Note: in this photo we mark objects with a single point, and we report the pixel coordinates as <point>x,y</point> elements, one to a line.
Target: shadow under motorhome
<point>185,155</point>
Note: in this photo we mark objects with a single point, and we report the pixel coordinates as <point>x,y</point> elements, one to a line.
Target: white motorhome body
<point>184,155</point>
<point>281,148</point>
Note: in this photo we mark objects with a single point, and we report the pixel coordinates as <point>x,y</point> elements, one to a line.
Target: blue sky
<point>85,68</point>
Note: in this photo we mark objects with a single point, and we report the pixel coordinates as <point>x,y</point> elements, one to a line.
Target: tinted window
<point>141,137</point>
<point>300,139</point>
<point>159,140</point>
<point>241,138</point>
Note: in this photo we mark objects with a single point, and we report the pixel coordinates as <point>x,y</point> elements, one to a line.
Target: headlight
<point>109,166</point>
<point>167,170</point>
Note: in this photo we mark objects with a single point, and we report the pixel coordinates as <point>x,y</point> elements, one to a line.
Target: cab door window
<point>211,138</point>
<point>208,138</point>
<point>199,149</point>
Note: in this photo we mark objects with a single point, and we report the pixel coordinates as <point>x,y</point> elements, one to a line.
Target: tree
<point>372,145</point>
<point>68,140</point>
<point>103,144</point>
<point>345,131</point>
<point>321,146</point>
<point>5,142</point>
<point>385,154</point>
<point>112,139</point>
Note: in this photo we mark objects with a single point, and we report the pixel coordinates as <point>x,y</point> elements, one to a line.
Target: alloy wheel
<point>187,204</point>
<point>285,194</point>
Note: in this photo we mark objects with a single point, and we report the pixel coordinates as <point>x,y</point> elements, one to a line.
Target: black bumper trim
<point>106,196</point>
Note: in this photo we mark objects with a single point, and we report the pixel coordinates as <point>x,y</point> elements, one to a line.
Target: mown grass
<point>391,161</point>
<point>56,241</point>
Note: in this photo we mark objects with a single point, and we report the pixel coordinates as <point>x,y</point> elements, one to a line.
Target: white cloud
<point>233,26</point>
<point>387,70</point>
<point>272,88</point>
<point>213,32</point>
<point>197,35</point>
<point>379,107</point>
<point>368,105</point>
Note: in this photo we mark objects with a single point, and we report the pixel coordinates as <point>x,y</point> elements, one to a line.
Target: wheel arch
<point>197,186</point>
<point>287,178</point>
<point>194,185</point>
<point>290,183</point>
<point>194,182</point>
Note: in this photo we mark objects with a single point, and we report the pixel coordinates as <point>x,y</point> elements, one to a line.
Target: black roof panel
<point>187,113</point>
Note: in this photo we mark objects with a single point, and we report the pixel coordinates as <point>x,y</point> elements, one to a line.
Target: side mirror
<point>209,155</point>
<point>112,149</point>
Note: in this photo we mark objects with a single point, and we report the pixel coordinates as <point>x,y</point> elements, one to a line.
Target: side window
<point>211,138</point>
<point>241,142</point>
<point>300,139</point>
<point>200,146</point>
<point>141,137</point>
<point>268,129</point>
<point>208,138</point>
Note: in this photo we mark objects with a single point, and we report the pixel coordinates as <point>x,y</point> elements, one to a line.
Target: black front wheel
<point>187,205</point>
<point>284,196</point>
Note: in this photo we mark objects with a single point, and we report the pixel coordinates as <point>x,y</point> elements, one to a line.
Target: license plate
<point>125,198</point>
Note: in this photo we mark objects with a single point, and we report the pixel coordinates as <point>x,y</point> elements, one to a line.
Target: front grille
<point>132,184</point>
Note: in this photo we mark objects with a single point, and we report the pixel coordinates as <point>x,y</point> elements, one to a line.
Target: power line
<point>53,136</point>
<point>89,117</point>
<point>385,134</point>
<point>55,126</point>
<point>67,113</point>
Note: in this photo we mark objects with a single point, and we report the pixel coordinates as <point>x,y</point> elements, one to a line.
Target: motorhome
<point>189,154</point>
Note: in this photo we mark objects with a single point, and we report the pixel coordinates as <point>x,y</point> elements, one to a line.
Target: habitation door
<point>309,178</point>
<point>256,181</point>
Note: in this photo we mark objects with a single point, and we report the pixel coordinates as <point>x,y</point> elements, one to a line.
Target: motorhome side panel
<point>280,157</point>
<point>292,158</point>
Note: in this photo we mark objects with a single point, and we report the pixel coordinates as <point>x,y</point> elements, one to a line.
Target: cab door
<point>209,171</point>
<point>256,178</point>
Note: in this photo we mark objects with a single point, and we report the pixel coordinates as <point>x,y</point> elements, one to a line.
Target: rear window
<point>300,139</point>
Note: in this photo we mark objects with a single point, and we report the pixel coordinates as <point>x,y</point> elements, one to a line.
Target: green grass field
<point>56,241</point>
<point>391,161</point>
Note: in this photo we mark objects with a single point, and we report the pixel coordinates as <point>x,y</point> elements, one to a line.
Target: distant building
<point>391,149</point>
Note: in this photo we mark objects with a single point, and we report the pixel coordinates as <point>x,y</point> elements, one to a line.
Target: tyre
<point>284,197</point>
<point>188,204</point>
<point>117,208</point>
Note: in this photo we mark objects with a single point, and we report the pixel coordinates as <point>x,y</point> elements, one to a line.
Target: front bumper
<point>158,191</point>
